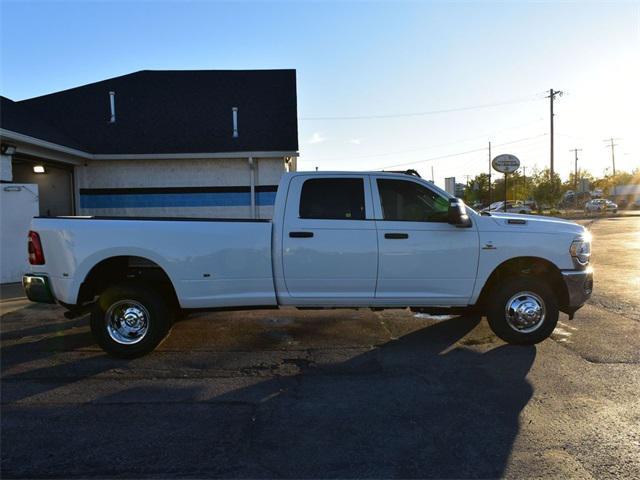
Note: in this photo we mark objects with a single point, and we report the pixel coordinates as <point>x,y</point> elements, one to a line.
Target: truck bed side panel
<point>211,264</point>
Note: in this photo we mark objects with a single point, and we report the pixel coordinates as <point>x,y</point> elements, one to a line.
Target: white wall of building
<point>176,173</point>
<point>180,173</point>
<point>18,205</point>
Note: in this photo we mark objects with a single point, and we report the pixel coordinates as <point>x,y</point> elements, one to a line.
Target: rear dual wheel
<point>523,310</point>
<point>130,320</point>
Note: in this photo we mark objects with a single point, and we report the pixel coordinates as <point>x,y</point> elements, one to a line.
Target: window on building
<point>333,199</point>
<point>411,202</point>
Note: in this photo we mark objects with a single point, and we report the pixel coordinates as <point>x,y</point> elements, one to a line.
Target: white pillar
<point>252,184</point>
<point>6,171</point>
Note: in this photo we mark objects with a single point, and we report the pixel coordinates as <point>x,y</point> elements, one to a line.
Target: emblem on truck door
<point>488,246</point>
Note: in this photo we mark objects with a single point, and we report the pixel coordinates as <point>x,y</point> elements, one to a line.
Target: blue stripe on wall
<point>205,199</point>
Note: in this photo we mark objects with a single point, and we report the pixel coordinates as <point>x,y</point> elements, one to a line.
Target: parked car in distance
<point>512,207</point>
<point>635,204</point>
<point>600,205</point>
<point>336,240</point>
<point>574,200</point>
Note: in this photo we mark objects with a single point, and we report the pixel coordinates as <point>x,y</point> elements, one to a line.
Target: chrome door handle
<point>396,236</point>
<point>301,234</point>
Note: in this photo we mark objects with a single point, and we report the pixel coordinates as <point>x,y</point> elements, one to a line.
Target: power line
<point>482,149</point>
<point>430,147</point>
<point>463,153</point>
<point>419,114</point>
<point>478,159</point>
<point>521,140</point>
<point>434,158</point>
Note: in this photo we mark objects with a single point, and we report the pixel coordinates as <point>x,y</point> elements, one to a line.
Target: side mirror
<point>458,214</point>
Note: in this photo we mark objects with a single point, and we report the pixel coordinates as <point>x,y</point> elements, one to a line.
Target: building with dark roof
<point>203,143</point>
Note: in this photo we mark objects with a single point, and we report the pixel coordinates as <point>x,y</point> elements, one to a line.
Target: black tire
<point>505,292</point>
<point>145,307</point>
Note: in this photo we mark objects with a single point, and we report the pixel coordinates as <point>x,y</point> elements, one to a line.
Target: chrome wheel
<point>127,322</point>
<point>525,312</point>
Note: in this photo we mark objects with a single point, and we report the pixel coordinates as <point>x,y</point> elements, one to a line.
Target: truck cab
<point>375,238</point>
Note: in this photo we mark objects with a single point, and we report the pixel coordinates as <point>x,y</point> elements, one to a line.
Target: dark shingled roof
<point>167,112</point>
<point>19,118</point>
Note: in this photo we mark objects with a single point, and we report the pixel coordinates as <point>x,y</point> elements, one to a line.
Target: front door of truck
<point>330,248</point>
<point>423,260</point>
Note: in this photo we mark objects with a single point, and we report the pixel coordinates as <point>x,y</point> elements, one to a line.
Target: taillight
<point>36,255</point>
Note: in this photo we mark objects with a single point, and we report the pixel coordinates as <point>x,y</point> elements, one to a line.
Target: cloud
<point>317,137</point>
<point>355,141</point>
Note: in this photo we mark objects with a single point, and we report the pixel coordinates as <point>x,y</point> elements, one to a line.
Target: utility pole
<point>613,153</point>
<point>432,178</point>
<point>575,174</point>
<point>524,182</point>
<point>489,173</point>
<point>551,97</point>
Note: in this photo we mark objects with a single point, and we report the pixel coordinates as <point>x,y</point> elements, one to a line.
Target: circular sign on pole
<point>506,163</point>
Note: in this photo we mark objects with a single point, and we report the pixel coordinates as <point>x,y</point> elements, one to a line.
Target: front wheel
<point>523,310</point>
<point>130,320</point>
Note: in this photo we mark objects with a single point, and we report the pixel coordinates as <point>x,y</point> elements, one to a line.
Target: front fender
<point>496,248</point>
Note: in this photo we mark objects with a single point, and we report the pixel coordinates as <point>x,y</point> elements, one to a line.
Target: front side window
<point>333,199</point>
<point>406,201</point>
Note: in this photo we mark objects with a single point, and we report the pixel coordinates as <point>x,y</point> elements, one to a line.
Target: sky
<point>390,85</point>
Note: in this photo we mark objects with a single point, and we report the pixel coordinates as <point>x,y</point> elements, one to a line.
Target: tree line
<point>541,187</point>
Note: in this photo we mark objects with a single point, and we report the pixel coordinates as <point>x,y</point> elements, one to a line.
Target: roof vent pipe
<point>112,104</point>
<point>234,111</point>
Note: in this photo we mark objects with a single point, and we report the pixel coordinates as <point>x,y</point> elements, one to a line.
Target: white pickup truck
<point>336,240</point>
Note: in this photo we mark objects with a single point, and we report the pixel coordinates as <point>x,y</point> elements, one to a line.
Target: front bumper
<point>579,286</point>
<point>37,288</point>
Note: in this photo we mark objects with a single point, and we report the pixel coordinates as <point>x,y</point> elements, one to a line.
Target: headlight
<point>581,250</point>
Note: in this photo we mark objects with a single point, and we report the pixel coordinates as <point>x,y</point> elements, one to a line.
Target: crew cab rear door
<point>423,260</point>
<point>329,249</point>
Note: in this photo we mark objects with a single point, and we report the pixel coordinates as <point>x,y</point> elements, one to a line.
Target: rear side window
<point>333,199</point>
<point>411,202</point>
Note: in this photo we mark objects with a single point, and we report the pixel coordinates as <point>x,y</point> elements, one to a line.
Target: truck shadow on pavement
<point>421,406</point>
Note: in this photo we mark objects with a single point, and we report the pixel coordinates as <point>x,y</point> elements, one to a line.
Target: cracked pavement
<point>333,394</point>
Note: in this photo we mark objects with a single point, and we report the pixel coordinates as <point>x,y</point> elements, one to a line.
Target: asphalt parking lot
<point>333,394</point>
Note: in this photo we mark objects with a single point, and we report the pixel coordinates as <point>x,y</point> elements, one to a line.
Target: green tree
<point>607,182</point>
<point>477,190</point>
<point>570,184</point>
<point>547,190</point>
<point>518,187</point>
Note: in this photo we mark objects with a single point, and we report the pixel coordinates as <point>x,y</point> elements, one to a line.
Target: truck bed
<point>169,219</point>
<point>210,262</point>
